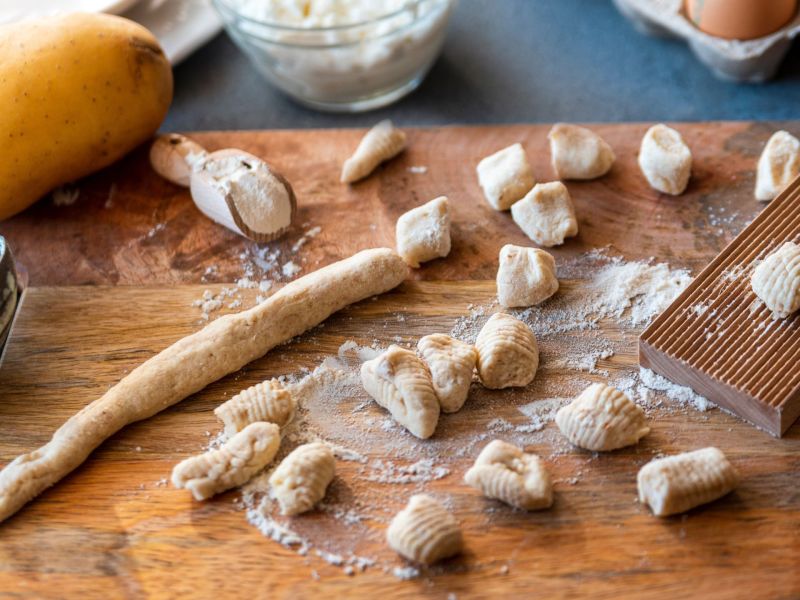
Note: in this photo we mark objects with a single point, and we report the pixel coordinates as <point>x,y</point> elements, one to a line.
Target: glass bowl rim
<point>411,4</point>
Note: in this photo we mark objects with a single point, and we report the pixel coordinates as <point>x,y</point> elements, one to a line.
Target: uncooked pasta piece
<point>451,363</point>
<point>302,478</point>
<point>505,472</point>
<point>578,152</point>
<point>424,531</point>
<point>678,483</point>
<point>777,280</point>
<point>400,382</point>
<point>525,276</point>
<point>508,355</point>
<point>505,177</point>
<point>231,465</point>
<point>382,142</point>
<point>665,160</point>
<point>546,214</point>
<point>266,401</point>
<point>423,233</point>
<point>778,165</point>
<point>602,418</point>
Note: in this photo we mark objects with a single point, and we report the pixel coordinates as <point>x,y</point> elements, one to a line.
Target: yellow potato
<point>77,92</point>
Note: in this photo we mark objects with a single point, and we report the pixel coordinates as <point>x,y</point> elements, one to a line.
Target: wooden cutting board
<point>112,529</point>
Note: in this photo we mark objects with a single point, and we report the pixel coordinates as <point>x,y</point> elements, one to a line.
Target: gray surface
<point>506,61</point>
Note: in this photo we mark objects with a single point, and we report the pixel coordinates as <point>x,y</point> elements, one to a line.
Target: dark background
<point>507,61</point>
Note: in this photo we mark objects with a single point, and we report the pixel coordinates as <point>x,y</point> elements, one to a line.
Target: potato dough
<point>400,382</point>
<point>423,233</point>
<point>505,472</point>
<point>505,177</point>
<point>424,531</point>
<point>230,465</point>
<point>508,354</point>
<point>777,280</point>
<point>678,483</point>
<point>665,160</point>
<point>382,142</point>
<point>452,363</point>
<point>578,153</point>
<point>526,276</point>
<point>778,165</point>
<point>546,214</point>
<point>302,478</point>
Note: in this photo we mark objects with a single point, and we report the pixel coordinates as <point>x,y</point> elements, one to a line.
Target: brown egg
<point>740,19</point>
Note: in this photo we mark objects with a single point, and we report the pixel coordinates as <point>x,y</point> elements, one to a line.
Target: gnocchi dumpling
<point>777,280</point>
<point>665,160</point>
<point>525,277</point>
<point>578,153</point>
<point>302,478</point>
<point>504,472</point>
<point>423,233</point>
<point>602,418</point>
<point>400,382</point>
<point>451,363</point>
<point>546,214</point>
<point>266,401</point>
<point>230,465</point>
<point>678,483</point>
<point>424,531</point>
<point>778,165</point>
<point>505,176</point>
<point>508,354</point>
<point>382,142</point>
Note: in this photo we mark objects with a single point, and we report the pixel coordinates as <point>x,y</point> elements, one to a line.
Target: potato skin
<point>77,92</point>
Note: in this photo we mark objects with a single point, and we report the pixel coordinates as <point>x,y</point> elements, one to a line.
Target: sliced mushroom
<point>241,192</point>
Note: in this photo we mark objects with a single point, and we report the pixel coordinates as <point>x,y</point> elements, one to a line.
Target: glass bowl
<point>344,68</point>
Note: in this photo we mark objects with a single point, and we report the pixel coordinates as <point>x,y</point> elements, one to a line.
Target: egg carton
<point>734,60</point>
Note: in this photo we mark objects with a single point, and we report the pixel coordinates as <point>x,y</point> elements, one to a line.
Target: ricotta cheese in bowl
<point>344,55</point>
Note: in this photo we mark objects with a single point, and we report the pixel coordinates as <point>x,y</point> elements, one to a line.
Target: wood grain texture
<point>138,538</point>
<point>109,530</point>
<point>131,227</point>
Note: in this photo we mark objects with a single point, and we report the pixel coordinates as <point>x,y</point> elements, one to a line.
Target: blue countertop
<point>506,61</point>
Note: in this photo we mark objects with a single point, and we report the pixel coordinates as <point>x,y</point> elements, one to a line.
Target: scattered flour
<point>65,195</point>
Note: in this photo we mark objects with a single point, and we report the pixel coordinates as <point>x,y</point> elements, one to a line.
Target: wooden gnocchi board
<point>113,529</point>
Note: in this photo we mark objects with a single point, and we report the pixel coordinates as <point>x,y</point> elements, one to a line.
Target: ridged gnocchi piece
<point>602,418</point>
<point>679,483</point>
<point>508,354</point>
<point>382,142</point>
<point>579,153</point>
<point>302,478</point>
<point>504,472</point>
<point>665,160</point>
<point>777,280</point>
<point>778,164</point>
<point>423,233</point>
<point>525,276</point>
<point>546,214</point>
<point>266,401</point>
<point>424,531</point>
<point>400,382</point>
<point>451,363</point>
<point>505,176</point>
<point>230,465</point>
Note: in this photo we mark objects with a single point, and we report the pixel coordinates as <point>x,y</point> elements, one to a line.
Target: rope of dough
<point>190,364</point>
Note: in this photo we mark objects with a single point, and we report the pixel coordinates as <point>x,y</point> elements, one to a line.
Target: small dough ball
<point>665,160</point>
<point>546,214</point>
<point>578,153</point>
<point>505,176</point>
<point>423,233</point>
<point>778,165</point>
<point>508,354</point>
<point>777,280</point>
<point>526,276</point>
